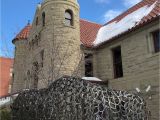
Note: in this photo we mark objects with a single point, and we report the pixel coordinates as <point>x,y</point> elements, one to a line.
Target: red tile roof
<point>5,78</point>
<point>88,32</point>
<point>23,34</point>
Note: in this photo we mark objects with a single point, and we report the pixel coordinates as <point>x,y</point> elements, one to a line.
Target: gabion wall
<point>75,99</point>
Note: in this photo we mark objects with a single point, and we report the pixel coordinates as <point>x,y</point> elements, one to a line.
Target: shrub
<point>5,114</point>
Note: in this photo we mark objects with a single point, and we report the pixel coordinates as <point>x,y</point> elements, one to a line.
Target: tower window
<point>36,21</point>
<point>89,65</point>
<point>42,57</point>
<point>68,18</point>
<point>43,19</point>
<point>117,62</point>
<point>35,73</point>
<point>28,79</point>
<point>156,40</point>
<point>36,40</point>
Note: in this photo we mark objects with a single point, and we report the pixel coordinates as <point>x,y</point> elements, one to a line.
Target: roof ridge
<point>90,21</point>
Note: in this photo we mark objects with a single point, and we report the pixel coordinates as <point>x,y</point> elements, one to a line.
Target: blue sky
<point>16,13</point>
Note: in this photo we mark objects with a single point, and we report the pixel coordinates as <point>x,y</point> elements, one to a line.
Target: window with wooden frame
<point>117,62</point>
<point>88,65</point>
<point>68,18</point>
<point>156,40</point>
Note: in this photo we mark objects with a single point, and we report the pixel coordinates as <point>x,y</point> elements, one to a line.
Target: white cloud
<point>102,1</point>
<point>129,3</point>
<point>110,14</point>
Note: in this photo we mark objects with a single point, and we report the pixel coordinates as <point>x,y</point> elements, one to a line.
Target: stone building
<point>124,51</point>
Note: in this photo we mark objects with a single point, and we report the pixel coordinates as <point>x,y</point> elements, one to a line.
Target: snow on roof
<point>117,27</point>
<point>91,79</point>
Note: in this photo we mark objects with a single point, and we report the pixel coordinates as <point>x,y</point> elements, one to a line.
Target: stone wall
<point>140,65</point>
<point>75,99</point>
<point>19,65</point>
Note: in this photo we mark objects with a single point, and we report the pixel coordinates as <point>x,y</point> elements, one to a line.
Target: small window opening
<point>156,40</point>
<point>35,74</point>
<point>36,21</point>
<point>43,19</point>
<point>42,57</point>
<point>89,65</point>
<point>35,81</point>
<point>12,77</point>
<point>68,18</point>
<point>28,73</point>
<point>36,40</point>
<point>117,62</point>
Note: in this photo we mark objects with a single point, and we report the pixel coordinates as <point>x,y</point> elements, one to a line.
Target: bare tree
<point>43,74</point>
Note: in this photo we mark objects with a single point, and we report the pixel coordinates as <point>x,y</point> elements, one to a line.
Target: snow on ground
<point>5,101</point>
<point>115,28</point>
<point>91,78</point>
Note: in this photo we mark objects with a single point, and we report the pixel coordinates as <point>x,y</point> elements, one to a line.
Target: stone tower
<point>20,42</point>
<point>53,43</point>
<point>62,33</point>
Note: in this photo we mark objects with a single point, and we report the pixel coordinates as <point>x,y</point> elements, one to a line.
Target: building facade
<point>6,69</point>
<point>60,43</point>
<point>138,66</point>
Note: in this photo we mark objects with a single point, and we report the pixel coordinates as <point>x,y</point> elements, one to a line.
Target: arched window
<point>28,73</point>
<point>43,19</point>
<point>68,18</point>
<point>36,21</point>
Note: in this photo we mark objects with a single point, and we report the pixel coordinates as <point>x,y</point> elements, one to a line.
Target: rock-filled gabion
<point>75,99</point>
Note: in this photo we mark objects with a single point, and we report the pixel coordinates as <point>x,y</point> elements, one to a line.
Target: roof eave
<point>18,39</point>
<point>14,40</point>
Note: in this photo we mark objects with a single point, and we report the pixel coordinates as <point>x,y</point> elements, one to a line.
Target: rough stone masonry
<point>71,98</point>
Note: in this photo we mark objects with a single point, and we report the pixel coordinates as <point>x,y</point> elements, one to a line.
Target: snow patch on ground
<point>91,79</point>
<point>5,101</point>
<point>115,28</point>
